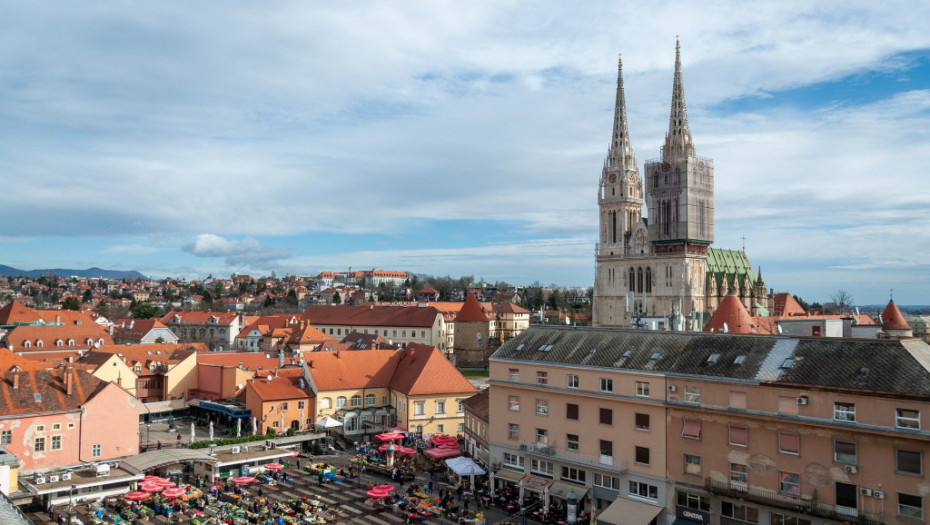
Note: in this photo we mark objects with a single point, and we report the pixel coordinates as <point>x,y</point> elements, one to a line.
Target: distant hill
<point>62,272</point>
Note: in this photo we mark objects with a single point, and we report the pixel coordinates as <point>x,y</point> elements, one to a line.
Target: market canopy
<point>442,453</point>
<point>463,466</point>
<point>328,422</point>
<point>167,456</point>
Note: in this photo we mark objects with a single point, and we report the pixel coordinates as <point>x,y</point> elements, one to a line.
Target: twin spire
<point>620,154</point>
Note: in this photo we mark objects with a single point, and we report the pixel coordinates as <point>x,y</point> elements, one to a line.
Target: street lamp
<point>148,430</point>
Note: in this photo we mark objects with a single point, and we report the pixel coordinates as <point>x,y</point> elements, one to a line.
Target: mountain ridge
<point>64,272</point>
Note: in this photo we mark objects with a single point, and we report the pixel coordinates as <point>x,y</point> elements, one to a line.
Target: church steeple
<point>620,154</point>
<point>678,141</point>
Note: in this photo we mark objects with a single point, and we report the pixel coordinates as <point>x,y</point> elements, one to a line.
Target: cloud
<point>247,252</point>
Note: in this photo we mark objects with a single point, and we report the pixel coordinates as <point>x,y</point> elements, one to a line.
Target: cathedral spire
<point>678,139</point>
<point>620,154</point>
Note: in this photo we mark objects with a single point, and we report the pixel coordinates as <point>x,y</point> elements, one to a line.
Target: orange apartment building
<point>696,429</point>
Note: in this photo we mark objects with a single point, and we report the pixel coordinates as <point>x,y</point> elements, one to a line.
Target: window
<point>542,378</point>
<point>39,445</point>
<point>641,421</point>
<point>96,450</point>
<point>572,381</point>
<point>571,411</point>
<point>789,443</point>
<point>542,407</point>
<point>642,389</point>
<point>573,474</point>
<point>513,460</point>
<point>356,400</point>
<point>844,411</point>
<point>56,426</point>
<point>440,428</point>
<point>513,431</point>
<point>284,406</point>
<point>70,425</point>
<point>692,465</point>
<point>784,519</point>
<point>461,427</point>
<point>692,394</point>
<point>542,436</point>
<point>739,474</point>
<point>513,403</point>
<point>461,407</point>
<point>274,424</point>
<point>911,507</point>
<point>6,437</point>
<point>514,375</point>
<point>844,452</point>
<point>643,490</point>
<point>606,416</point>
<point>419,408</point>
<point>607,384</point>
<point>369,399</point>
<point>691,429</point>
<point>56,443</point>
<point>739,512</point>
<point>739,436</point>
<point>341,402</point>
<point>907,418</point>
<point>642,455</point>
<point>908,462</point>
<point>571,442</point>
<point>326,403</point>
<point>440,407</point>
<point>541,467</point>
<point>846,495</point>
<point>693,501</point>
<point>40,428</point>
<point>608,482</point>
<point>789,483</point>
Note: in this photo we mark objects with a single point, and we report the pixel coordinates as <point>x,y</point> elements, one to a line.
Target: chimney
<point>280,358</point>
<point>16,371</point>
<point>69,380</point>
<point>119,380</point>
<point>111,329</point>
<point>57,319</point>
<point>311,363</point>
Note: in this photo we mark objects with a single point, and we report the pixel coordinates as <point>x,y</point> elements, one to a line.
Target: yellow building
<point>151,372</point>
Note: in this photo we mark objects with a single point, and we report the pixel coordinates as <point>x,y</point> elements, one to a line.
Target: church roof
<point>730,316</point>
<point>729,262</point>
<point>892,318</point>
<point>471,311</point>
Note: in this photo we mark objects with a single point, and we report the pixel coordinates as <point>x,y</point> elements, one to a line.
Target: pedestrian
<point>158,445</point>
<point>298,463</point>
<point>430,485</point>
<point>259,492</point>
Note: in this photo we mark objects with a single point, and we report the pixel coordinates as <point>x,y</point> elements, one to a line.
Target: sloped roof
<point>895,366</point>
<point>508,308</point>
<point>152,353</point>
<point>352,370</point>
<point>360,341</point>
<point>785,305</point>
<point>17,312</point>
<point>198,318</point>
<point>372,315</point>
<point>471,311</point>
<point>266,323</point>
<point>424,370</point>
<point>730,313</point>
<point>136,329</point>
<point>48,334</point>
<point>305,333</point>
<point>249,360</point>
<point>50,385</point>
<point>285,386</point>
<point>892,318</point>
<point>8,360</point>
<point>480,403</point>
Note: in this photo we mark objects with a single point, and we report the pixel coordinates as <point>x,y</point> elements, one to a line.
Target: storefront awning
<point>535,483</point>
<point>561,490</point>
<point>628,512</point>
<point>509,475</point>
<point>159,407</point>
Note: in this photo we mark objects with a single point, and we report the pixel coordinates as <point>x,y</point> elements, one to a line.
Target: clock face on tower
<point>612,178</point>
<point>630,176</point>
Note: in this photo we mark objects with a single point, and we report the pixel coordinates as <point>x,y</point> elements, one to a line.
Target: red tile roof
<point>17,312</point>
<point>285,386</point>
<point>424,370</point>
<point>146,354</point>
<point>51,387</point>
<point>352,370</point>
<point>198,318</point>
<point>136,329</point>
<point>892,318</point>
<point>8,360</point>
<point>49,335</point>
<point>733,314</point>
<point>471,311</point>
<point>785,305</point>
<point>371,315</point>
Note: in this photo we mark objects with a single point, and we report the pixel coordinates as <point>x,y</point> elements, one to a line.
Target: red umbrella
<point>389,436</point>
<point>243,480</point>
<point>383,488</point>
<point>377,494</point>
<point>165,483</point>
<point>136,496</point>
<point>175,492</point>
<point>150,487</point>
<point>405,450</point>
<point>440,453</point>
<point>274,466</point>
<point>148,479</point>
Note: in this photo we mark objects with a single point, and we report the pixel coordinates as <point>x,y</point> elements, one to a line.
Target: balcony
<point>804,504</point>
<point>550,450</point>
<point>540,449</point>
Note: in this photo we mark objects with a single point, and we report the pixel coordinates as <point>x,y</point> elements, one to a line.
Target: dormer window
<point>138,369</point>
<point>39,343</point>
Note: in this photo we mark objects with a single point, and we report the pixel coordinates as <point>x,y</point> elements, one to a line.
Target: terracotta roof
<point>479,404</point>
<point>8,360</point>
<point>371,315</point>
<point>424,370</point>
<point>136,329</point>
<point>892,318</point>
<point>471,311</point>
<point>266,323</point>
<point>733,314</point>
<point>508,308</point>
<point>360,341</point>
<point>332,345</point>
<point>285,386</point>
<point>428,290</point>
<point>50,385</point>
<point>146,354</point>
<point>785,305</point>
<point>352,370</point>
<point>249,360</point>
<point>17,337</point>
<point>199,318</point>
<point>54,358</point>
<point>17,312</point>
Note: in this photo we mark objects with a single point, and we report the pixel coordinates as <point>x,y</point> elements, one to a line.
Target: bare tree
<point>842,301</point>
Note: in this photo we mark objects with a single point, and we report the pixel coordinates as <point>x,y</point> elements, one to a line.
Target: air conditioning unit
<point>803,400</point>
<point>880,494</point>
<point>236,450</point>
<point>53,478</point>
<point>66,476</point>
<point>851,469</point>
<point>672,388</point>
<point>40,480</point>
<point>102,470</point>
<point>865,492</point>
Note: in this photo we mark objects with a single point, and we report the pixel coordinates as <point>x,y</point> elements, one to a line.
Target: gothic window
<point>648,280</point>
<point>639,280</point>
<point>702,218</point>
<point>632,280</point>
<point>668,217</point>
<point>655,180</point>
<point>613,218</point>
<point>666,180</point>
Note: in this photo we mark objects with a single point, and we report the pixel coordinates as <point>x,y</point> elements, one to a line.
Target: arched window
<point>639,280</point>
<point>326,403</point>
<point>89,342</point>
<point>369,399</point>
<point>648,279</point>
<point>356,400</point>
<point>59,342</point>
<point>39,343</point>
<point>632,280</point>
<point>70,342</point>
<point>613,218</point>
<point>341,402</point>
<point>27,344</point>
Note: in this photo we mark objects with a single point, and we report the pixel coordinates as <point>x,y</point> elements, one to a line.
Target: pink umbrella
<point>244,480</point>
<point>274,466</point>
<point>441,453</point>
<point>377,494</point>
<point>405,450</point>
<point>175,492</point>
<point>383,488</point>
<point>151,478</point>
<point>149,487</point>
<point>389,436</point>
<point>136,496</point>
<point>165,483</point>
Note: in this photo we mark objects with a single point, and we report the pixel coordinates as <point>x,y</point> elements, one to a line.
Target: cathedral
<point>660,272</point>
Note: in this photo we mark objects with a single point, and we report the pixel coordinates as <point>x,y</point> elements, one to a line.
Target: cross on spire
<point>678,142</point>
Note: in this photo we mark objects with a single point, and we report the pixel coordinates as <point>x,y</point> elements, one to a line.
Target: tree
<point>71,303</point>
<point>337,299</point>
<point>145,311</point>
<point>842,301</point>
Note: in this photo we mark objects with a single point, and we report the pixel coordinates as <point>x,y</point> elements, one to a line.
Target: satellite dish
<point>726,329</point>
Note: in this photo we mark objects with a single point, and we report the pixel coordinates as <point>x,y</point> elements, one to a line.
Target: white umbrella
<point>238,427</point>
<point>193,433</point>
<point>254,426</point>
<point>328,422</point>
<point>282,422</point>
<point>300,424</point>
<point>211,430</point>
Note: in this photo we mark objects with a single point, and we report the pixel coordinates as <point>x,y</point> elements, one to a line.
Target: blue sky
<point>445,138</point>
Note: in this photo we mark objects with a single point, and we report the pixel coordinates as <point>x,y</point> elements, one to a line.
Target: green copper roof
<point>729,262</point>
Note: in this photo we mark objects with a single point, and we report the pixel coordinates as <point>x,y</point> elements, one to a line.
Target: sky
<point>186,139</point>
